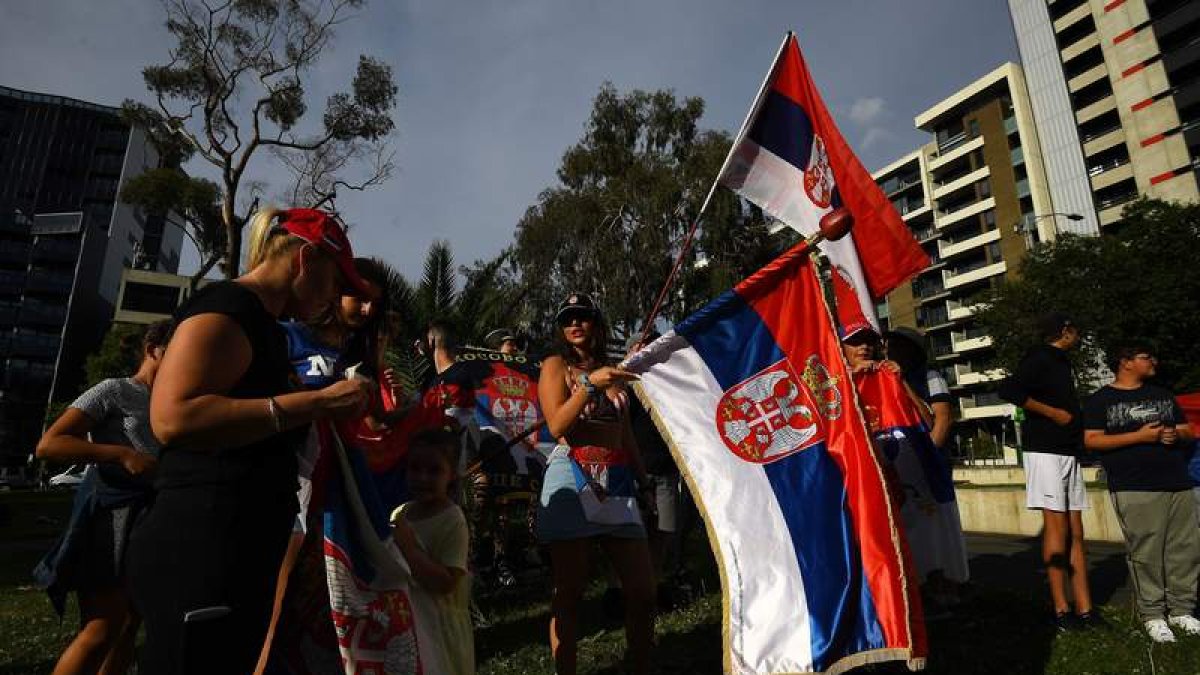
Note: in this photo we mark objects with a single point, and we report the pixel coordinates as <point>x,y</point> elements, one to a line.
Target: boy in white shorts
<point>1044,386</point>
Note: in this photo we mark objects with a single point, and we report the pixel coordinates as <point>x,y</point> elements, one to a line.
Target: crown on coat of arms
<point>510,385</point>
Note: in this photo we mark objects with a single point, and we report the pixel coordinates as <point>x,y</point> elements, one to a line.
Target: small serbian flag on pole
<point>792,162</point>
<point>754,398</point>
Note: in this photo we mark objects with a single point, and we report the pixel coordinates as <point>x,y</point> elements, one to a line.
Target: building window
<point>993,250</point>
<point>972,128</point>
<point>150,298</point>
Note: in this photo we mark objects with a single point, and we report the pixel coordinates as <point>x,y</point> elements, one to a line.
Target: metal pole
<point>687,240</point>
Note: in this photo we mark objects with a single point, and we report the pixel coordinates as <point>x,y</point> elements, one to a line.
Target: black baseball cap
<point>1052,324</point>
<point>499,336</point>
<point>577,302</point>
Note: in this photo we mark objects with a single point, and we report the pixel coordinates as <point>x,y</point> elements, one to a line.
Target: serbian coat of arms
<point>769,416</point>
<point>818,177</point>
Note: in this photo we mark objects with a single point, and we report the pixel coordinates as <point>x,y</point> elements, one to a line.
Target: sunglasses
<point>568,318</point>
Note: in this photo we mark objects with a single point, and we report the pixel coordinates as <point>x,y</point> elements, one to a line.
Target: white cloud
<point>875,136</point>
<point>864,111</point>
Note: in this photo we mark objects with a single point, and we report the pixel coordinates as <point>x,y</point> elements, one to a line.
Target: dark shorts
<point>99,562</point>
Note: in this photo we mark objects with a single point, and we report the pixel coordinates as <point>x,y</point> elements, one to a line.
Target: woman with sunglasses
<point>592,484</point>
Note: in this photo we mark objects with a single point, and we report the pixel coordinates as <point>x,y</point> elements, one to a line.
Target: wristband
<point>587,384</point>
<point>276,413</point>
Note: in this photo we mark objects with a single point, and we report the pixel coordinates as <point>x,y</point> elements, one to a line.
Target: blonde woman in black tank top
<point>203,561</point>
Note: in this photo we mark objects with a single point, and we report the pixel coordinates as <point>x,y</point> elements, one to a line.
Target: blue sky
<point>493,91</point>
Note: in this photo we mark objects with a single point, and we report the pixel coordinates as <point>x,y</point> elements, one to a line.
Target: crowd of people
<point>201,517</point>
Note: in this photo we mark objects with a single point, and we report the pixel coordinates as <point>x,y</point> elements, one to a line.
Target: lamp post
<point>1029,228</point>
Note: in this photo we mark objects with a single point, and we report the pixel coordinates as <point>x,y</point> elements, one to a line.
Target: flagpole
<point>712,190</point>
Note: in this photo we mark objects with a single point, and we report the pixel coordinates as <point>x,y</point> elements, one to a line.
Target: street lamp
<point>1029,228</point>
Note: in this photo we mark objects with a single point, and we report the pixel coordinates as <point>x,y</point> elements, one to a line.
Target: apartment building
<point>1115,88</point>
<point>64,239</point>
<point>974,196</point>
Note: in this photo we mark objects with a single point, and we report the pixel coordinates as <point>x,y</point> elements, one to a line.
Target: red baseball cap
<point>322,230</point>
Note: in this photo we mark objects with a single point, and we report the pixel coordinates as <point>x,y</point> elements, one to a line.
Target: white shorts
<point>1054,482</point>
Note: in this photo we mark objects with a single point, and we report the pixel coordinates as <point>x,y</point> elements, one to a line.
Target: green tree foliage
<point>487,300</point>
<point>234,85</point>
<point>191,204</point>
<point>437,292</point>
<point>1135,284</point>
<point>628,192</point>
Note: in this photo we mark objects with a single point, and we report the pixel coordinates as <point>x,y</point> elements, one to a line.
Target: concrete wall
<point>992,501</point>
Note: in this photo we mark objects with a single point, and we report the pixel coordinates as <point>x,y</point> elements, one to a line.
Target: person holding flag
<point>922,483</point>
<point>590,491</point>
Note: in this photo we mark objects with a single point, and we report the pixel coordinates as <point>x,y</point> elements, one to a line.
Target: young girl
<point>109,425</point>
<point>431,532</point>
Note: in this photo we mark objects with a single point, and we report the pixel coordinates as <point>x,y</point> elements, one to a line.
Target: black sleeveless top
<point>264,470</point>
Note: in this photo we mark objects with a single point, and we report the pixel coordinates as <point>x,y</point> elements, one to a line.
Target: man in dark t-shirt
<point>1142,438</point>
<point>1043,384</point>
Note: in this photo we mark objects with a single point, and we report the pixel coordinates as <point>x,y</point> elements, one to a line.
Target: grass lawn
<point>998,631</point>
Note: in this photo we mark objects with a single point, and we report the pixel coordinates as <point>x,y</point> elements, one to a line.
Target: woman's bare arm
<point>189,407</point>
<point>560,407</point>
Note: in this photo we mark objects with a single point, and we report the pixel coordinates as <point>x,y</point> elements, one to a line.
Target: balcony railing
<point>42,346</point>
<point>1101,167</point>
<point>40,314</point>
<point>1115,201</point>
<point>925,233</point>
<point>952,143</point>
<point>49,282</point>
<point>55,249</point>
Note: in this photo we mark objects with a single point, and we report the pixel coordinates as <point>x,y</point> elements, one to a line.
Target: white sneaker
<point>1159,631</point>
<point>1186,623</point>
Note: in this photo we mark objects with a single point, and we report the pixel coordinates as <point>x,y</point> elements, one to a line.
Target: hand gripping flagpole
<point>685,246</point>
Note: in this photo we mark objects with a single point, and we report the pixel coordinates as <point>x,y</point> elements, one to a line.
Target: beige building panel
<point>1131,51</point>
<point>1166,155</point>
<point>1071,18</point>
<point>1030,143</point>
<point>1096,109</point>
<point>1111,23</point>
<point>1112,177</point>
<point>1114,137</point>
<point>1084,79</point>
<point>1111,215</point>
<point>1080,47</point>
<point>1181,188</point>
<point>1148,122</point>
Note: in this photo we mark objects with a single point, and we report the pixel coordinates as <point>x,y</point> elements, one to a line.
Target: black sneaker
<point>1066,622</point>
<point>1091,621</point>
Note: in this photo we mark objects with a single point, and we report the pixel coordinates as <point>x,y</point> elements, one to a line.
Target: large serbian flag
<point>790,159</point>
<point>754,397</point>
